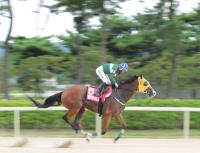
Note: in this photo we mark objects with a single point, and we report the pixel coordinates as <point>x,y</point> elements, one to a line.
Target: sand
<point>98,145</point>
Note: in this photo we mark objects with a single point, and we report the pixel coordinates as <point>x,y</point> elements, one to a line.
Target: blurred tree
<point>155,38</point>
<point>6,11</point>
<point>188,74</point>
<point>167,31</point>
<point>190,60</point>
<point>172,39</point>
<point>82,11</point>
<point>23,48</point>
<point>122,40</point>
<point>147,35</point>
<point>160,32</point>
<point>191,31</point>
<point>104,9</point>
<point>32,70</point>
<point>79,9</point>
<point>117,41</point>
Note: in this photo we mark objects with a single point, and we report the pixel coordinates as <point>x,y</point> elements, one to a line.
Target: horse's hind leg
<point>78,118</point>
<point>67,117</point>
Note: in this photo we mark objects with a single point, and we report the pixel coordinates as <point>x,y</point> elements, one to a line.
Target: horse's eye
<point>146,83</point>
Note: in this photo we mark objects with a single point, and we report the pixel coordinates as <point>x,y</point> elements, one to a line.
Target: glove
<point>116,85</point>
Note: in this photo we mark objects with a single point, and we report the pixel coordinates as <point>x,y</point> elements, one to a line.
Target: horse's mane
<point>129,80</point>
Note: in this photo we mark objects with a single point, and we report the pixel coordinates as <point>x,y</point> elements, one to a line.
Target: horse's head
<point>145,87</point>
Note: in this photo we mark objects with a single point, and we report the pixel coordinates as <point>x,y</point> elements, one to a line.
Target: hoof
<point>88,140</point>
<point>88,136</point>
<point>75,128</point>
<point>116,139</point>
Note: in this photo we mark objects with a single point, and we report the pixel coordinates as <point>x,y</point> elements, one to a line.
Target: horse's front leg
<point>106,118</point>
<point>105,123</point>
<point>121,121</point>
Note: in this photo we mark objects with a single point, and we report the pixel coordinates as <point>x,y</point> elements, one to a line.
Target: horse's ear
<point>141,76</point>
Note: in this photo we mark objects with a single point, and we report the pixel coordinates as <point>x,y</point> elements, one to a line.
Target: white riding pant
<point>104,77</point>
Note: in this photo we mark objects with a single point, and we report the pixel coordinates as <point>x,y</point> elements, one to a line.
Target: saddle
<point>91,94</point>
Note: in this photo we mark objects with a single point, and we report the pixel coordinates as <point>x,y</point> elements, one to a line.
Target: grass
<point>176,133</point>
<point>111,133</point>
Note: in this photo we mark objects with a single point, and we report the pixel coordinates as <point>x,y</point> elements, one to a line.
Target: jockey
<point>107,73</point>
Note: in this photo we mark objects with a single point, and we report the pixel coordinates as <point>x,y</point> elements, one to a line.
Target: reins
<point>119,99</point>
<point>125,89</point>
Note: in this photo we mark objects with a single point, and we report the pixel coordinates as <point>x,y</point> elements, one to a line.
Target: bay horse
<point>74,99</point>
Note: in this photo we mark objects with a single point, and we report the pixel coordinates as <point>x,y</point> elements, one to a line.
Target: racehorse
<point>74,99</point>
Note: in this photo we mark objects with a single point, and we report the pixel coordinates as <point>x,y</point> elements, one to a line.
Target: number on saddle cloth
<point>91,94</point>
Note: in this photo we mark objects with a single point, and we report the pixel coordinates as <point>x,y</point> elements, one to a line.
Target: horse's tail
<point>35,102</point>
<point>49,101</point>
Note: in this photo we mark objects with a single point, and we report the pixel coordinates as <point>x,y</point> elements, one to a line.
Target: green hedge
<point>134,119</point>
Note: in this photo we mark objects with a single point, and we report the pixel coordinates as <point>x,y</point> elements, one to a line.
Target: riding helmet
<point>123,67</point>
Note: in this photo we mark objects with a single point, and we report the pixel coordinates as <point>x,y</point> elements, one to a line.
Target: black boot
<point>100,88</point>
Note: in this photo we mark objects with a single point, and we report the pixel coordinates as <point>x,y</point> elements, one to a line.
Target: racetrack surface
<point>98,145</point>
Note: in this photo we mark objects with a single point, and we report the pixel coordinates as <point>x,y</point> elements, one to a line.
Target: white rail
<point>186,110</point>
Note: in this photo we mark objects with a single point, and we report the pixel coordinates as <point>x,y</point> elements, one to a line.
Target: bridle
<point>125,89</point>
<point>119,99</point>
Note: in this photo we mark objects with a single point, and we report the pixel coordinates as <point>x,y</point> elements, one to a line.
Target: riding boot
<point>100,88</point>
<point>100,107</point>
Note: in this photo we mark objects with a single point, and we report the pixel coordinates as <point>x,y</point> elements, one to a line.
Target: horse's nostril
<point>153,94</point>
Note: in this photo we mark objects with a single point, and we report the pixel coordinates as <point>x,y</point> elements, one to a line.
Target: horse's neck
<point>126,91</point>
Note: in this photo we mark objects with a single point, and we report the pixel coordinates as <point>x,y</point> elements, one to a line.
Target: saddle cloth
<point>91,94</point>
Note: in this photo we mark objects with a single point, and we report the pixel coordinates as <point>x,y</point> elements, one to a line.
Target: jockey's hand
<point>116,85</point>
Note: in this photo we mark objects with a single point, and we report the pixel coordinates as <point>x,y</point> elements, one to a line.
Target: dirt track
<point>79,145</point>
